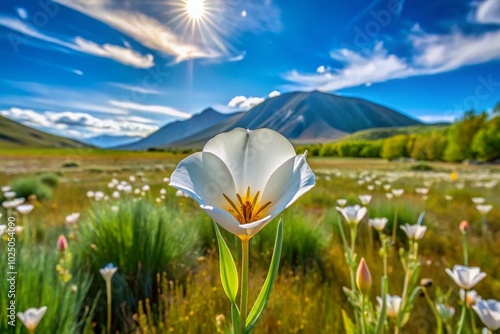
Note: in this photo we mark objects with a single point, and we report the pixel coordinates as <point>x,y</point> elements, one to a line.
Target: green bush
<point>421,167</point>
<point>49,179</point>
<point>70,164</point>
<point>38,285</point>
<point>304,242</point>
<point>27,186</point>
<point>142,239</point>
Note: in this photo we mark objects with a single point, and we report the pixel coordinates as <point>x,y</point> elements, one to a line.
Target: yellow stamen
<point>249,209</point>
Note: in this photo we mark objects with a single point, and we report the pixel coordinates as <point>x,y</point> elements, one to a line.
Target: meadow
<point>166,255</point>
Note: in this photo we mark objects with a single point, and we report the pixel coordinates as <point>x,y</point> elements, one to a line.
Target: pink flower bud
<point>363,277</point>
<point>464,226</point>
<point>62,243</point>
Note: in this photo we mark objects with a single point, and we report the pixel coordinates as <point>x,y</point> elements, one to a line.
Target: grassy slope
<point>15,135</point>
<point>381,133</point>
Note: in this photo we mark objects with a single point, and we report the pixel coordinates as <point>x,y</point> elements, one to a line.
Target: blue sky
<point>85,67</point>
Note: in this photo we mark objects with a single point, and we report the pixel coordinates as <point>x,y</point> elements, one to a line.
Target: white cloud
<point>431,54</point>
<point>120,54</point>
<point>321,69</point>
<point>488,12</point>
<point>244,102</point>
<point>164,110</point>
<point>77,72</point>
<point>274,93</point>
<point>117,53</point>
<point>82,124</point>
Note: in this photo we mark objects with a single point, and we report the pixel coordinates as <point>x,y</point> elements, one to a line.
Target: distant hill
<point>179,130</point>
<point>306,118</point>
<point>13,135</point>
<point>108,141</point>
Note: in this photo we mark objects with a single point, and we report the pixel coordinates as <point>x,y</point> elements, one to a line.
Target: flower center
<point>249,209</point>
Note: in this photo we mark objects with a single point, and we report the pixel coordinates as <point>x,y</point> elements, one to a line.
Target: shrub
<point>421,167</point>
<point>303,242</point>
<point>27,186</point>
<point>395,147</point>
<point>49,179</point>
<point>142,239</point>
<point>70,164</point>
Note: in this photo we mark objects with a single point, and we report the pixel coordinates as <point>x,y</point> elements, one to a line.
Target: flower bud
<point>464,226</point>
<point>62,243</point>
<point>426,282</point>
<point>363,277</point>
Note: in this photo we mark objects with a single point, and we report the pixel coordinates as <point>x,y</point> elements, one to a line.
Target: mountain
<point>306,117</point>
<point>16,135</point>
<point>179,130</point>
<point>108,141</point>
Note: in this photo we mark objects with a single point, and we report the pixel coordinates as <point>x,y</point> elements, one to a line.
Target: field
<point>166,251</point>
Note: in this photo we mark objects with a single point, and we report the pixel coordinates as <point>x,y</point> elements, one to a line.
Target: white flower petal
<point>251,156</point>
<point>290,181</point>
<point>204,177</point>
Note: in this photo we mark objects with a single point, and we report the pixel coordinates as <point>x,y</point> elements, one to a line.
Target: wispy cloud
<point>117,53</point>
<point>133,88</point>
<point>431,54</point>
<point>488,12</point>
<point>154,109</point>
<point>84,124</point>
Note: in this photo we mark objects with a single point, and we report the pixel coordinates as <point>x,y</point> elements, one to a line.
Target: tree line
<point>475,136</point>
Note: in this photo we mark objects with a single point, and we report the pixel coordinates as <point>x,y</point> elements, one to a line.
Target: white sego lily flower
<point>484,209</point>
<point>478,200</point>
<point>72,218</point>
<point>393,305</point>
<point>25,209</point>
<point>414,232</point>
<point>108,272</point>
<point>398,192</point>
<point>466,277</point>
<point>365,199</point>
<point>243,179</point>
<point>31,317</point>
<point>341,202</point>
<point>353,214</point>
<point>489,313</point>
<point>378,223</point>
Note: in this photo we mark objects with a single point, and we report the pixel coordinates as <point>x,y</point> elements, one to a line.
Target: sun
<point>195,8</point>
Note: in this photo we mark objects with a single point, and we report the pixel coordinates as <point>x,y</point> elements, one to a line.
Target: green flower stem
<point>485,224</point>
<point>472,320</point>
<point>108,292</point>
<point>244,283</point>
<point>439,321</point>
<point>347,252</point>
<point>462,317</point>
<point>363,317</point>
<point>395,224</point>
<point>383,239</point>
<point>354,231</point>
<point>465,249</point>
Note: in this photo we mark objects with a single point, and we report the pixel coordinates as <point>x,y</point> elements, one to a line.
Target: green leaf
<point>348,325</point>
<point>265,292</point>
<point>228,272</point>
